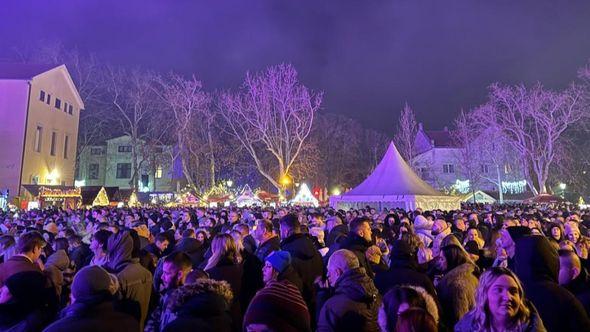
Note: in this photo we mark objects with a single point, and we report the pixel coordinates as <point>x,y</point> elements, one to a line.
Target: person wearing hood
<point>401,298</point>
<point>92,307</point>
<point>423,229</point>
<point>199,306</point>
<point>501,306</point>
<point>56,267</point>
<point>306,259</point>
<point>440,230</point>
<point>26,303</point>
<point>279,306</point>
<point>574,277</point>
<point>194,248</point>
<point>403,270</point>
<point>135,281</point>
<point>537,265</point>
<point>456,289</point>
<point>337,231</point>
<point>355,300</point>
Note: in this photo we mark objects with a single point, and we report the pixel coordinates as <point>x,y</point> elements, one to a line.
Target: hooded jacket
<point>134,280</point>
<point>55,267</point>
<point>535,324</point>
<point>201,306</point>
<point>537,265</point>
<point>336,234</point>
<point>354,305</point>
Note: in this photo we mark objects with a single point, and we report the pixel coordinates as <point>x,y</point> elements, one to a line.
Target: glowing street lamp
<point>562,186</point>
<point>229,183</point>
<point>52,176</point>
<point>285,180</point>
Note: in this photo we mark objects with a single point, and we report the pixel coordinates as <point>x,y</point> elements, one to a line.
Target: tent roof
<point>393,176</point>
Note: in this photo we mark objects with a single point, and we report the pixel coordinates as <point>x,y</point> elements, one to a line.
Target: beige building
<point>39,115</point>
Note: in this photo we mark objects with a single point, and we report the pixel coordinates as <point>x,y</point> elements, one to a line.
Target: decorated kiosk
<point>393,184</point>
<point>304,197</point>
<point>247,198</point>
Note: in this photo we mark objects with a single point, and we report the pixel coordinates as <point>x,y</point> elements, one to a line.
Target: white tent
<point>480,197</point>
<point>304,197</point>
<point>393,184</point>
<point>247,198</point>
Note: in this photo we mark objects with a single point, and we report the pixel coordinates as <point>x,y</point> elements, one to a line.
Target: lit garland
<point>304,197</point>
<point>461,186</point>
<point>54,192</point>
<point>102,199</point>
<point>514,187</point>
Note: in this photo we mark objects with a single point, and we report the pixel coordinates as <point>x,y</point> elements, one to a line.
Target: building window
<point>53,143</point>
<point>42,95</point>
<point>66,143</point>
<point>38,137</point>
<point>93,172</point>
<point>70,110</point>
<point>58,103</point>
<point>507,168</point>
<point>124,171</point>
<point>35,179</point>
<point>95,151</point>
<point>485,169</point>
<point>159,172</point>
<point>65,107</point>
<point>448,168</point>
<point>48,101</point>
<point>124,148</point>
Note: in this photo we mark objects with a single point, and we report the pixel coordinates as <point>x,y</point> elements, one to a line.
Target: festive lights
<point>514,187</point>
<point>461,186</point>
<point>304,197</point>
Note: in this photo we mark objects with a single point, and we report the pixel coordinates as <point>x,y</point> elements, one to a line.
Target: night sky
<point>369,57</point>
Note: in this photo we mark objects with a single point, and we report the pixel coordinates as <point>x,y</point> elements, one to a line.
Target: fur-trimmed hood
<point>205,297</point>
<point>431,306</point>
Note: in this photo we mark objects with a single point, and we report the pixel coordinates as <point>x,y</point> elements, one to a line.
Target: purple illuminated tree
<point>272,114</point>
<point>405,136</point>
<point>533,121</point>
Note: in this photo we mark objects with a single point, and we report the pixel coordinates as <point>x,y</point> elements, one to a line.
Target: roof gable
<point>23,71</point>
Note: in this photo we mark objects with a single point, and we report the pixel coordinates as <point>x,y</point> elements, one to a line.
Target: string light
<point>514,187</point>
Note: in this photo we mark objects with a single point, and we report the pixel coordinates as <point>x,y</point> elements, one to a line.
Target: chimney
<point>420,126</point>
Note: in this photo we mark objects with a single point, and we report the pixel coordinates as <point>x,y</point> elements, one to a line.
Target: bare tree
<point>273,113</point>
<point>405,136</point>
<point>533,121</point>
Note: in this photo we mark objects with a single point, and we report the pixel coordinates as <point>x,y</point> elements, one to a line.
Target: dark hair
<point>454,255</point>
<point>267,224</point>
<point>356,223</point>
<point>29,241</point>
<point>394,298</point>
<point>189,232</point>
<point>161,237</point>
<point>61,243</point>
<point>291,222</point>
<point>6,241</point>
<point>415,319</point>
<point>180,260</point>
<point>102,237</point>
<point>74,240</point>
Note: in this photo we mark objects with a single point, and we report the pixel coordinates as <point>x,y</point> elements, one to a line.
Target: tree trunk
<point>500,192</point>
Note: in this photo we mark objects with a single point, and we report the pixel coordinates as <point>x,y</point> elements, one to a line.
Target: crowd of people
<point>482,268</point>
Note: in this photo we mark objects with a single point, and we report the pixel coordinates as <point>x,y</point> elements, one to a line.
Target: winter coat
<point>534,324</point>
<point>249,244</point>
<point>94,318</point>
<point>202,306</point>
<point>134,280</point>
<point>153,249</point>
<point>226,270</point>
<point>307,261</point>
<point>537,265</point>
<point>270,245</point>
<point>16,264</point>
<point>251,278</point>
<point>403,272</point>
<point>358,246</point>
<point>336,234</point>
<point>354,305</point>
<point>55,267</point>
<point>193,248</point>
<point>456,293</point>
<point>280,306</point>
<point>580,287</point>
<point>81,256</point>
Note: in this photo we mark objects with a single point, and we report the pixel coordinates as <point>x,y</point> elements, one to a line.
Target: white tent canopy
<point>304,197</point>
<point>247,198</point>
<point>393,184</point>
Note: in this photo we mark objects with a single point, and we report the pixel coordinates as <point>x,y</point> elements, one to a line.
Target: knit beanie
<point>90,282</point>
<point>279,260</point>
<point>279,306</point>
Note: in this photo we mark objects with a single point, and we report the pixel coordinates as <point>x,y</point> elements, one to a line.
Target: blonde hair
<point>223,245</point>
<point>482,314</point>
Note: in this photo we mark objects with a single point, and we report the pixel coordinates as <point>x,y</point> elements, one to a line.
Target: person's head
<point>572,231</point>
<point>6,241</point>
<point>473,234</point>
<point>570,266</point>
<point>175,269</point>
<point>243,229</point>
<point>415,319</point>
<point>162,241</point>
<point>223,246</point>
<point>201,236</point>
<point>362,227</point>
<point>500,298</point>
<point>188,233</point>
<point>340,262</point>
<point>264,230</point>
<point>289,225</point>
<point>451,256</point>
<point>201,212</point>
<point>93,284</point>
<point>460,224</point>
<point>31,244</point>
<point>100,240</point>
<point>234,217</point>
<point>556,232</point>
<point>61,243</point>
<point>274,264</point>
<point>333,222</point>
<point>396,301</point>
<point>439,226</point>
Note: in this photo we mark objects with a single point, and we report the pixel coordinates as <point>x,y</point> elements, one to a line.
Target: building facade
<point>111,165</point>
<point>439,161</point>
<point>39,116</point>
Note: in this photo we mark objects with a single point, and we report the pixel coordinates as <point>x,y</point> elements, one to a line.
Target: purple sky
<point>369,57</point>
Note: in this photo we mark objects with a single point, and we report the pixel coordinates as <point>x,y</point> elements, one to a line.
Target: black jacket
<point>94,318</point>
<point>358,246</point>
<point>336,234</point>
<point>537,266</point>
<point>272,244</point>
<point>580,287</point>
<point>233,274</point>
<point>403,272</point>
<point>193,248</point>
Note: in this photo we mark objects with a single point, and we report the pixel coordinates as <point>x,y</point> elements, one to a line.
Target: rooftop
<point>23,71</point>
